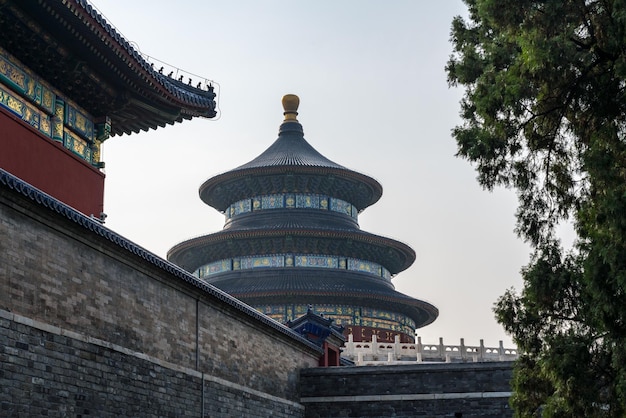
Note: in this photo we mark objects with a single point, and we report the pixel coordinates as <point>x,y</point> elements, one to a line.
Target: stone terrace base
<point>427,390</point>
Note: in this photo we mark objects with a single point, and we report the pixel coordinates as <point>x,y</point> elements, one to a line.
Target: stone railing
<point>384,353</point>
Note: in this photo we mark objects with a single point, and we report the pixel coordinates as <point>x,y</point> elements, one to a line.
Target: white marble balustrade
<point>385,353</point>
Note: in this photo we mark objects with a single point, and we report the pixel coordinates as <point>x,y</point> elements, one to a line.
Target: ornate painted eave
<point>191,254</point>
<point>222,190</point>
<point>70,44</point>
<point>263,286</point>
<point>419,311</point>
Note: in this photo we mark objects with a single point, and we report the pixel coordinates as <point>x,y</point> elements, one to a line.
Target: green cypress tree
<point>544,113</point>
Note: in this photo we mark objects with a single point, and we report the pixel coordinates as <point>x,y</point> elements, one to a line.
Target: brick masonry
<point>94,325</point>
<point>429,390</point>
<point>48,371</point>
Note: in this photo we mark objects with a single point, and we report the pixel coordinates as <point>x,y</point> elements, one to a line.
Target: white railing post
<point>442,349</point>
<point>374,344</point>
<point>397,348</point>
<point>419,349</point>
<point>482,350</point>
<point>462,348</point>
<point>350,344</point>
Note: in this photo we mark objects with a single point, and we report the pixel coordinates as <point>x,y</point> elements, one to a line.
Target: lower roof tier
<point>359,321</point>
<point>393,255</point>
<point>318,286</point>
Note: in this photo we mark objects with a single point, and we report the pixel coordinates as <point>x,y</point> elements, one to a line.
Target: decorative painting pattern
<point>344,315</point>
<point>273,309</point>
<point>273,201</point>
<point>316,261</point>
<point>343,263</point>
<point>243,206</point>
<point>26,85</point>
<point>338,205</point>
<point>290,201</point>
<point>213,268</point>
<point>262,261</point>
<point>38,105</point>
<point>28,113</point>
<point>78,122</point>
<point>366,266</point>
<point>77,145</point>
<point>57,121</point>
<point>297,260</point>
<point>13,76</point>
<point>47,99</point>
<point>307,201</point>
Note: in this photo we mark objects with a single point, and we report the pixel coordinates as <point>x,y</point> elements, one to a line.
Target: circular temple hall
<point>291,241</point>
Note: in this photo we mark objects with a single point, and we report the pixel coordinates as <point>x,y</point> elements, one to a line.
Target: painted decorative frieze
<point>346,315</point>
<point>25,111</point>
<point>293,260</point>
<point>291,201</point>
<point>37,104</point>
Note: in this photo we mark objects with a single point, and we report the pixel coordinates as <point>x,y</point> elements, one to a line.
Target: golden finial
<point>290,105</point>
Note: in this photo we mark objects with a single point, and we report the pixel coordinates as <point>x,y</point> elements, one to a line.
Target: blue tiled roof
<point>287,164</point>
<point>331,286</point>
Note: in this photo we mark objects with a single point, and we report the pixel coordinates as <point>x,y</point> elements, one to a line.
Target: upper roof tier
<point>70,45</point>
<point>290,165</point>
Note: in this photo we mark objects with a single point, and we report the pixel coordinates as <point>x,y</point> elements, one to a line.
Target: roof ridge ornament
<point>290,106</point>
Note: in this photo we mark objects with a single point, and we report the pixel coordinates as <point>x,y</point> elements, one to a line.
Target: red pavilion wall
<point>48,166</point>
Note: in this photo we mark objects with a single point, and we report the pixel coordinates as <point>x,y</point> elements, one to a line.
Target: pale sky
<point>373,97</point>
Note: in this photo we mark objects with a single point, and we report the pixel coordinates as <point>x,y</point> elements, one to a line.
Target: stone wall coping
<point>416,367</point>
<point>405,397</point>
<point>94,226</point>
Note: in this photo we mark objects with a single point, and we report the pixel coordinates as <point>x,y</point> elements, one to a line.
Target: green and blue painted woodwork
<point>291,201</point>
<point>42,107</point>
<point>345,315</point>
<point>294,260</point>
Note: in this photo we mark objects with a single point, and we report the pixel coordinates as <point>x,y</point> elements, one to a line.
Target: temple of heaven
<point>291,241</point>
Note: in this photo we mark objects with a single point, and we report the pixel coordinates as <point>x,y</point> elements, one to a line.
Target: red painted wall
<point>47,165</point>
<point>331,356</point>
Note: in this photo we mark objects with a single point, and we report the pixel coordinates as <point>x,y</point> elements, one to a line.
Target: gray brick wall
<point>57,273</point>
<point>48,373</point>
<point>90,325</point>
<point>430,390</point>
